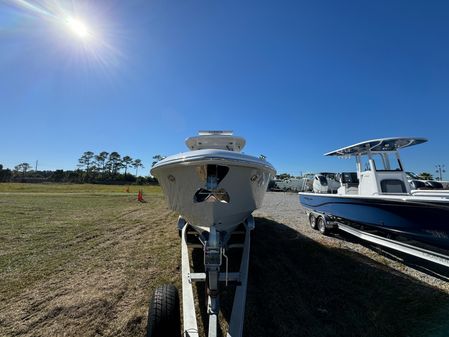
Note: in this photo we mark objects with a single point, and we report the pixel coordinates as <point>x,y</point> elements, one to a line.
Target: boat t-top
<point>378,196</point>
<point>214,188</point>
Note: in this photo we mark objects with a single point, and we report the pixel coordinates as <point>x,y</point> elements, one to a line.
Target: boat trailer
<point>215,247</point>
<point>324,223</point>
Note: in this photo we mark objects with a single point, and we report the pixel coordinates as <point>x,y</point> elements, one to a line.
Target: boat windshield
<point>386,161</point>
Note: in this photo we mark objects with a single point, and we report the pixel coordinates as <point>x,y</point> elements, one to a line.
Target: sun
<point>78,28</point>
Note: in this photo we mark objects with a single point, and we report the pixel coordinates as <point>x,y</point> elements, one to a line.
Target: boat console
<point>379,166</point>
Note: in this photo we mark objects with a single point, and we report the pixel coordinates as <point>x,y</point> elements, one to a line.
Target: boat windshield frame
<point>386,162</point>
<point>371,163</point>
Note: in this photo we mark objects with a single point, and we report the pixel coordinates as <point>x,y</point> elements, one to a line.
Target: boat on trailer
<point>214,188</point>
<point>378,197</point>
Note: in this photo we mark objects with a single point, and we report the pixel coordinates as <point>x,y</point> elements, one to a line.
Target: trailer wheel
<point>164,314</point>
<point>312,221</point>
<point>321,224</point>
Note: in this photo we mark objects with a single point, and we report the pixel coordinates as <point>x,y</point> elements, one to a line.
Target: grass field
<point>82,260</point>
<point>82,264</point>
<point>75,188</point>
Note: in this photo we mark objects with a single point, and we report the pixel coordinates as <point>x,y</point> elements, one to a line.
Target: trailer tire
<point>164,314</point>
<point>312,221</point>
<point>321,225</point>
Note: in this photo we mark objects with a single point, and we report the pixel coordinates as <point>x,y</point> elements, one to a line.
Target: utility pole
<point>37,161</point>
<point>440,169</point>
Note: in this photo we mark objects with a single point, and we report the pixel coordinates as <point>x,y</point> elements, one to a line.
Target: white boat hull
<point>244,184</point>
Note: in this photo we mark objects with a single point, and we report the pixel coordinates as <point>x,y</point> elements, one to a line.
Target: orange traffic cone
<point>140,196</point>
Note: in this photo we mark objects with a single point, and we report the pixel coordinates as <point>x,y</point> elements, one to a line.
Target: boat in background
<point>378,196</point>
<point>298,184</point>
<point>426,187</point>
<point>325,182</point>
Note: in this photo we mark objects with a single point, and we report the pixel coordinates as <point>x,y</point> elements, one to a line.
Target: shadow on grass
<point>298,287</point>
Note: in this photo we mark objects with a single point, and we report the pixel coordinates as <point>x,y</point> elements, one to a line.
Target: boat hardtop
<point>376,145</point>
<point>221,140</point>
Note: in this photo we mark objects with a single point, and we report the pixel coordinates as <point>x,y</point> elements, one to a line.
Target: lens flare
<point>94,38</point>
<point>78,28</point>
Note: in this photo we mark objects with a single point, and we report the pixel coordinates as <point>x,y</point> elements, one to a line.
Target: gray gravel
<point>284,208</point>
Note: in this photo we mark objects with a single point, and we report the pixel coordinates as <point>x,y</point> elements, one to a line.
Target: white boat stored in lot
<point>426,187</point>
<point>214,188</point>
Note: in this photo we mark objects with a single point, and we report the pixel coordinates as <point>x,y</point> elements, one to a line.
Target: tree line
<point>104,167</point>
<point>106,163</point>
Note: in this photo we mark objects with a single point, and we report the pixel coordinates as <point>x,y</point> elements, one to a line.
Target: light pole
<point>440,169</point>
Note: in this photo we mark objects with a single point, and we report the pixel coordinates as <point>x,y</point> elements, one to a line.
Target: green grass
<point>71,262</point>
<point>75,188</point>
<point>82,260</point>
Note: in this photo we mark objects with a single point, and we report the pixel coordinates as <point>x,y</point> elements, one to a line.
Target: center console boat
<point>378,196</point>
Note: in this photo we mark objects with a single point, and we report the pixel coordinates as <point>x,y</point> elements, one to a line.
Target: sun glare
<point>78,28</point>
<point>92,39</point>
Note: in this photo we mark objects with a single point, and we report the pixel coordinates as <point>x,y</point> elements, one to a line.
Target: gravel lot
<point>284,208</point>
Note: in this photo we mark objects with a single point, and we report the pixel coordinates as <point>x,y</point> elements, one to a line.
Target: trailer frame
<point>424,254</point>
<point>212,277</point>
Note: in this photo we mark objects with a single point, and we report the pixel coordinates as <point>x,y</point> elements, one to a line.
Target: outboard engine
<point>320,184</point>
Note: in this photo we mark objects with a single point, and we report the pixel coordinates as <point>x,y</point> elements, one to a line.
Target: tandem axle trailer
<point>325,222</point>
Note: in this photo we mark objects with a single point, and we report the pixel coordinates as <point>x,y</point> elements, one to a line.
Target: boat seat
<point>349,183</point>
<point>393,186</point>
<point>345,190</point>
<point>349,179</point>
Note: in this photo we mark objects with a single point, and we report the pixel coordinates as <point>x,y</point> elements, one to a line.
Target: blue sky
<point>295,78</point>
